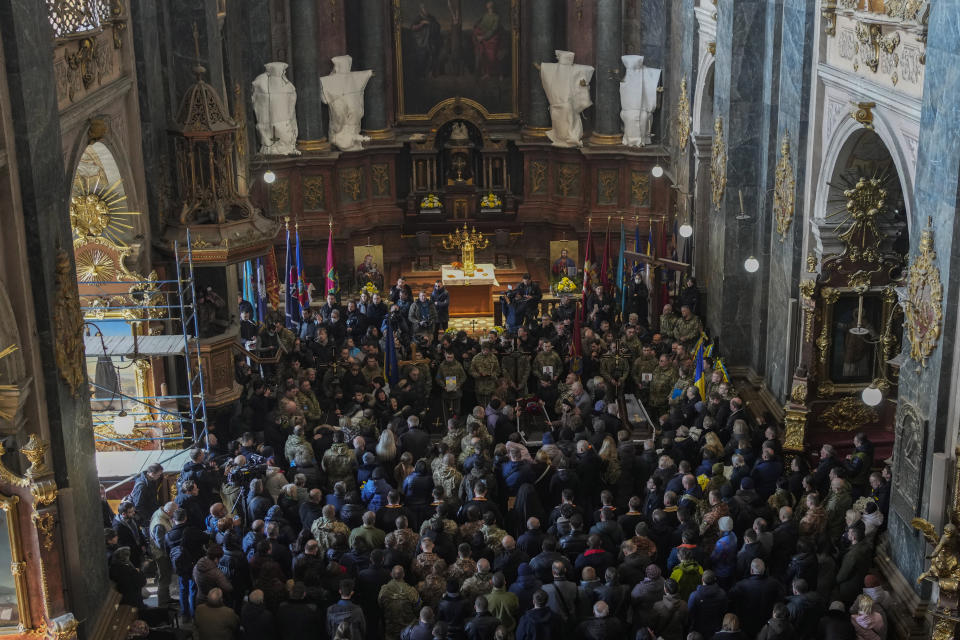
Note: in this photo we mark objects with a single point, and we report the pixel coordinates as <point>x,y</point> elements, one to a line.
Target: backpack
<point>181,560</point>
<point>687,576</point>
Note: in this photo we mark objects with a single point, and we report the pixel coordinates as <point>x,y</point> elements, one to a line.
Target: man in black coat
<point>146,493</point>
<point>345,610</point>
<point>806,608</point>
<point>483,624</point>
<point>367,589</point>
<point>128,532</point>
<point>528,296</point>
<point>185,545</point>
<point>828,460</point>
<point>453,610</point>
<point>540,622</point>
<point>297,618</point>
<point>415,441</point>
<point>602,626</point>
<point>422,629</point>
<point>752,598</point>
<point>204,475</point>
<point>257,621</point>
<point>707,605</point>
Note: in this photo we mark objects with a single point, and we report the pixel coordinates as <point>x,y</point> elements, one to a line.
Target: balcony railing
<point>78,17</point>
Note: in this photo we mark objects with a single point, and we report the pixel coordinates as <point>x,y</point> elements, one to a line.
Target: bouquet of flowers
<point>500,330</point>
<point>491,201</point>
<point>369,289</point>
<point>456,264</point>
<point>566,285</point>
<point>430,201</point>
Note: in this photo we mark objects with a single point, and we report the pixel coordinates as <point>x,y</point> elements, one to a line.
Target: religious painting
<point>854,339</point>
<point>368,265</point>
<point>450,50</point>
<point>909,456</point>
<point>564,255</point>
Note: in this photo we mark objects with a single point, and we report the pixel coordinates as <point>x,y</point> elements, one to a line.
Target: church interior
<point>666,279</point>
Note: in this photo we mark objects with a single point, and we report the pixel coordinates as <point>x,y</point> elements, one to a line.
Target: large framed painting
<point>449,50</point>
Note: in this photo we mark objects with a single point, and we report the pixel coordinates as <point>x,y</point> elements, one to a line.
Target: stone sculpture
<point>638,100</point>
<point>342,90</point>
<point>275,105</point>
<point>567,86</point>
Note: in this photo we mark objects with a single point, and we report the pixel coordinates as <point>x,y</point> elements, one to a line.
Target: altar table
<point>473,295</point>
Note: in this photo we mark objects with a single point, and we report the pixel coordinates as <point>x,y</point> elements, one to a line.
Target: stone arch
<point>847,137</point>
<point>703,98</point>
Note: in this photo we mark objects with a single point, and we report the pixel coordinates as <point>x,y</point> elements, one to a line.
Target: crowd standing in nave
<point>330,505</point>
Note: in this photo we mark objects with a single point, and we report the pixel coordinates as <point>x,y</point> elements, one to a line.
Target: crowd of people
<point>330,505</point>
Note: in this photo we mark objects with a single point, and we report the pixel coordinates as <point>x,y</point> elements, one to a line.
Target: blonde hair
<point>386,446</point>
<point>730,622</point>
<point>864,604</point>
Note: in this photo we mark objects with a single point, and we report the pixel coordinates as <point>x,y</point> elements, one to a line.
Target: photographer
<point>398,324</point>
<point>423,315</point>
<point>204,475</point>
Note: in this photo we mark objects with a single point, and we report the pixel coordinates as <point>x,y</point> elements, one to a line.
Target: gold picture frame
<point>510,26</point>
<point>18,568</point>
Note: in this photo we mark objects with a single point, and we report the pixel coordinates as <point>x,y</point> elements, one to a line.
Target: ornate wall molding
<point>69,325</point>
<point>718,164</point>
<point>924,305</point>
<point>784,190</point>
<point>683,121</point>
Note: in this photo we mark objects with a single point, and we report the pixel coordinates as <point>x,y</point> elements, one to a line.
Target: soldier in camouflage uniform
<point>480,583</point>
<point>403,538</point>
<point>547,369</point>
<point>421,565</point>
<point>485,370</point>
<point>464,566</point>
<point>515,366</point>
<point>371,369</point>
<point>687,328</point>
<point>668,323</point>
<point>326,528</point>
<point>450,397</point>
<point>664,377</point>
<point>645,364</point>
<point>615,367</point>
<point>492,534</point>
<point>340,464</point>
<point>398,602</point>
<point>684,380</point>
<point>631,341</point>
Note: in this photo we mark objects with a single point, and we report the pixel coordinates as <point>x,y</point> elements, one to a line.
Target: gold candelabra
<point>468,241</point>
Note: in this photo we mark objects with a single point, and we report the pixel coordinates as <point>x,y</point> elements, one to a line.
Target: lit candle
<point>740,192</point>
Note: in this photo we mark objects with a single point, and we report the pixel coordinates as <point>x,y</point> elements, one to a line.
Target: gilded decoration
<point>607,183</point>
<point>314,193</point>
<point>866,201</point>
<point>826,389</point>
<point>98,210</point>
<point>351,184</point>
<point>807,288</point>
<point>380,179</point>
<point>849,414</point>
<point>568,180</point>
<point>863,114</point>
<point>795,423</point>
<point>280,196</point>
<point>718,164</point>
<point>799,392</point>
<point>924,308</point>
<point>640,188</point>
<point>944,568</point>
<point>784,190</point>
<point>811,262</point>
<point>908,10</point>
<point>538,177</point>
<point>68,322</point>
<point>683,120</point>
<point>21,617</point>
<point>45,523</point>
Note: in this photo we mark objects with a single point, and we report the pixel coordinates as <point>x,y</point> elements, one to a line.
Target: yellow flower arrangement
<point>500,330</point>
<point>430,201</point>
<point>491,201</point>
<point>369,288</point>
<point>566,285</point>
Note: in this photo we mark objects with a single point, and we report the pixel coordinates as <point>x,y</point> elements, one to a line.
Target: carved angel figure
<point>944,561</point>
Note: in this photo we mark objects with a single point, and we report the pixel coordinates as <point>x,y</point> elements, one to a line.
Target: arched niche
<point>703,100</point>
<point>100,199</point>
<point>858,152</point>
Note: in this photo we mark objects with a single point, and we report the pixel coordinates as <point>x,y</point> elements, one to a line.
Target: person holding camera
<point>423,315</point>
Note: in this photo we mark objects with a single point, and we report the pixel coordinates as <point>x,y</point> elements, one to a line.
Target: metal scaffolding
<point>151,301</point>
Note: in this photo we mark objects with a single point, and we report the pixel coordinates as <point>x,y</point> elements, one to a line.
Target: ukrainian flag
<point>723,369</point>
<point>698,380</point>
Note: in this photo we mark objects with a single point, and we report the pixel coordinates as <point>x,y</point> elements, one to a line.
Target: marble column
<point>375,121</point>
<point>37,167</point>
<point>306,75</point>
<point>540,46</point>
<point>609,48</point>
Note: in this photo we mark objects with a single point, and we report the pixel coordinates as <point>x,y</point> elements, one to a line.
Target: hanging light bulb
<point>269,176</point>
<point>872,396</point>
<point>686,230</point>
<point>751,264</point>
<point>124,423</point>
<point>657,171</point>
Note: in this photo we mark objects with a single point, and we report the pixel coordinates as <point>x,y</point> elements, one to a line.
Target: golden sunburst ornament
<point>95,266</point>
<point>98,212</point>
<point>9,393</point>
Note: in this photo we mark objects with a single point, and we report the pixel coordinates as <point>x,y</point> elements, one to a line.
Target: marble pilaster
<point>609,48</point>
<point>538,34</point>
<point>331,34</point>
<point>376,123</point>
<point>27,42</point>
<point>306,75</point>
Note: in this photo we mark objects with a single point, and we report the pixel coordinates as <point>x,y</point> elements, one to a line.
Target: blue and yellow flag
<point>698,380</point>
<point>391,366</point>
<point>723,370</point>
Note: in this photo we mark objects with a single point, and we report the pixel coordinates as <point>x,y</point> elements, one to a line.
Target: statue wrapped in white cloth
<point>638,100</point>
<point>275,105</point>
<point>342,90</point>
<point>567,86</point>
